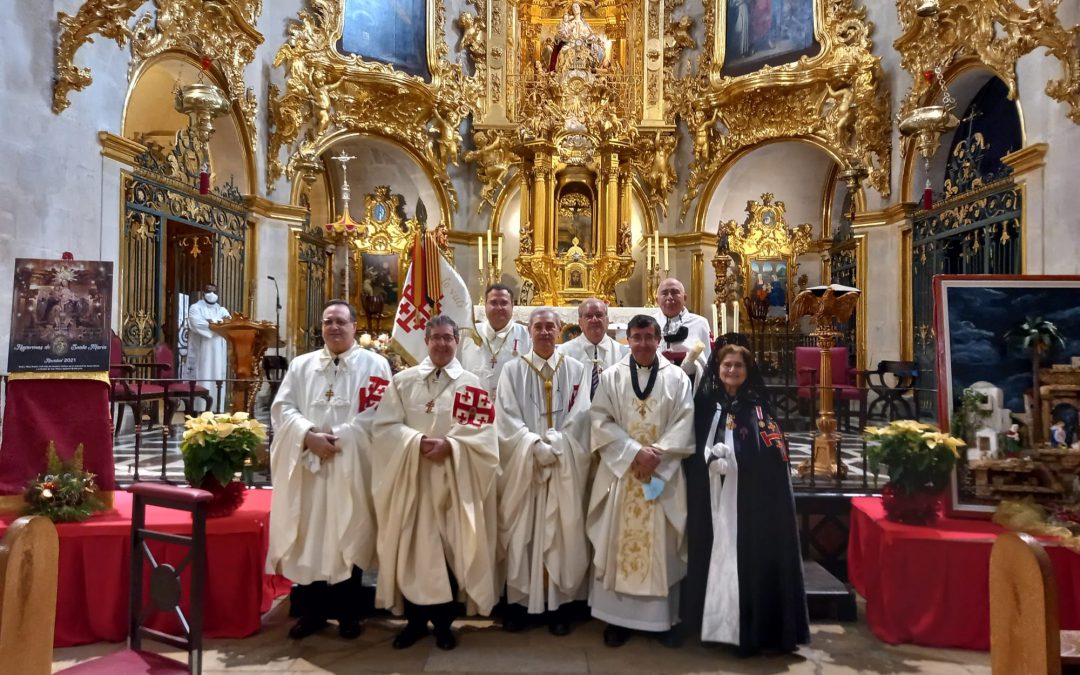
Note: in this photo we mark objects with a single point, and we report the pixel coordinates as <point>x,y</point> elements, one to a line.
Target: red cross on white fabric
<point>373,393</point>
<point>473,406</point>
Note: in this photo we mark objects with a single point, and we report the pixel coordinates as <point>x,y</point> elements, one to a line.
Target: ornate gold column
<point>652,108</point>
<point>608,202</point>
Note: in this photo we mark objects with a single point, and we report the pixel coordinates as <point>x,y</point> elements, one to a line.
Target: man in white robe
<point>208,352</point>
<point>437,461</point>
<point>681,330</point>
<point>594,347</point>
<point>494,342</point>
<point>642,428</point>
<point>322,522</point>
<point>542,415</point>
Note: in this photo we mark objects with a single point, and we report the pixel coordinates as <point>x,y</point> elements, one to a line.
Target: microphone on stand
<point>277,316</point>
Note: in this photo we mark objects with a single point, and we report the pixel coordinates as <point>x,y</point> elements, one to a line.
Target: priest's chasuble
<point>484,352</point>
<point>639,545</point>
<point>322,521</point>
<point>542,508</point>
<point>436,515</point>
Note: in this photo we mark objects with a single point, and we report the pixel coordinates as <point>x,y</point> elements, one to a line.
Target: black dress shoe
<point>305,627</point>
<point>559,628</point>
<point>513,624</point>
<point>409,636</point>
<point>616,636</point>
<point>444,639</point>
<point>351,629</point>
<point>671,638</point>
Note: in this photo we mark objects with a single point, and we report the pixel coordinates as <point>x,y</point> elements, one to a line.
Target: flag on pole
<point>432,286</point>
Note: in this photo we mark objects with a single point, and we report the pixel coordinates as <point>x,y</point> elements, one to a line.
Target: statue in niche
<point>577,46</point>
<point>625,244</point>
<point>526,245</point>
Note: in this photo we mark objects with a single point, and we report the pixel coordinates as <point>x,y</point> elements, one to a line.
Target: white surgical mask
<point>211,298</point>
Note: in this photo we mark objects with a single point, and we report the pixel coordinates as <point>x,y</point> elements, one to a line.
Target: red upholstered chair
<point>165,587</point>
<point>179,392</point>
<point>845,383</point>
<point>127,393</point>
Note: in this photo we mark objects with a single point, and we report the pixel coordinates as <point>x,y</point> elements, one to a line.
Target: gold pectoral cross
<point>547,400</point>
<point>430,406</point>
<point>329,394</point>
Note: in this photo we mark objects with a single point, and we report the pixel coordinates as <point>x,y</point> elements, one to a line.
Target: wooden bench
<point>1024,621</point>
<point>29,555</point>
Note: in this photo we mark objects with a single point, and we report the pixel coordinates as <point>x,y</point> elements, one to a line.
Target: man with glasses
<point>685,336</point>
<point>594,347</point>
<point>322,520</point>
<point>542,415</point>
<point>437,461</point>
<point>642,428</point>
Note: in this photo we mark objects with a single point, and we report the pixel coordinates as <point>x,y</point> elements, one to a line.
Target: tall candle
<point>723,319</point>
<point>656,248</point>
<point>735,327</point>
<point>480,253</point>
<point>667,263</point>
<point>489,251</point>
<point>715,323</point>
<point>498,259</point>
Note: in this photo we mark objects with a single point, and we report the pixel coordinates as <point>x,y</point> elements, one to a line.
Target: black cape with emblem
<point>772,611</point>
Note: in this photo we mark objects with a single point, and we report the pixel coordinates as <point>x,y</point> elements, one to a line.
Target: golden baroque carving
<point>222,30</point>
<point>655,168</point>
<point>998,33</point>
<point>493,155</point>
<point>108,18</point>
<point>837,98</point>
<point>326,92</point>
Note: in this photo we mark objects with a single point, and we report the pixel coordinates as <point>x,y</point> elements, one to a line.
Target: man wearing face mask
<point>684,335</point>
<point>207,351</point>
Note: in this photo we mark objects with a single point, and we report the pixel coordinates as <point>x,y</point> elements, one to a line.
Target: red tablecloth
<point>931,585</point>
<point>95,566</point>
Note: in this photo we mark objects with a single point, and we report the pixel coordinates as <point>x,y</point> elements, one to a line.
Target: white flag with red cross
<point>432,286</point>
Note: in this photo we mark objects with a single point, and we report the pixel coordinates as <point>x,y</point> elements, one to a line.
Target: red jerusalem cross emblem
<point>373,393</point>
<point>409,316</point>
<point>472,406</point>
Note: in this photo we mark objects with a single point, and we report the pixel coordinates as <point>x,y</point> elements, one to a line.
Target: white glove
<point>689,364</point>
<point>543,454</point>
<point>552,438</point>
<point>718,457</point>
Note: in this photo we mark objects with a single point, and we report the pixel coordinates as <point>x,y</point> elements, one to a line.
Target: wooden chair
<point>1024,624</point>
<point>178,392</point>
<point>29,553</point>
<point>165,587</point>
<point>124,393</point>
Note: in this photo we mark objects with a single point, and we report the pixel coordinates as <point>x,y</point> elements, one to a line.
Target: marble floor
<point>484,648</point>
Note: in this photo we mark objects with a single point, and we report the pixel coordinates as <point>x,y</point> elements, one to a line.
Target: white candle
<point>723,319</point>
<point>656,248</point>
<point>490,252</point>
<point>735,326</point>
<point>648,254</point>
<point>480,253</point>
<point>498,259</point>
<point>667,262</point>
<point>715,323</point>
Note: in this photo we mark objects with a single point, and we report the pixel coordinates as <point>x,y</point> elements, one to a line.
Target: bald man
<point>594,347</point>
<point>682,331</point>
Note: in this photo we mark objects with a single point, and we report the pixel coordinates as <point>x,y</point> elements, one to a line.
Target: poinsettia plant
<point>917,455</point>
<point>219,445</point>
<point>65,493</point>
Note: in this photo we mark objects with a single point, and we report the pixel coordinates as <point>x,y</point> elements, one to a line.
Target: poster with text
<point>60,316</point>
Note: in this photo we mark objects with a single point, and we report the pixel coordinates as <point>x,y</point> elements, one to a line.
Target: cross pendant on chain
<point>329,393</point>
<point>494,360</point>
<point>430,406</point>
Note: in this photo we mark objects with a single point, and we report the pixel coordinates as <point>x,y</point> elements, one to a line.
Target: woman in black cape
<point>771,613</point>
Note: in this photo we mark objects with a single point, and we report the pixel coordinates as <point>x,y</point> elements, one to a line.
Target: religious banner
<point>432,286</point>
<point>60,316</point>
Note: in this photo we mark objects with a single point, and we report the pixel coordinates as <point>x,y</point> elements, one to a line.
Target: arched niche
<point>507,222</point>
<point>799,173</point>
<point>965,79</point>
<point>150,116</point>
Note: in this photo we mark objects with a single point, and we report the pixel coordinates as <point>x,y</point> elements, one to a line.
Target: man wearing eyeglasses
<point>322,520</point>
<point>594,347</point>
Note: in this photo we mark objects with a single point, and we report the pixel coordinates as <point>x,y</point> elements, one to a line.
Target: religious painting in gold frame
<point>760,33</point>
<point>381,246</point>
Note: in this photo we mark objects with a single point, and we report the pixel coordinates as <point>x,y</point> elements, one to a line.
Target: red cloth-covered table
<point>930,585</point>
<point>95,568</point>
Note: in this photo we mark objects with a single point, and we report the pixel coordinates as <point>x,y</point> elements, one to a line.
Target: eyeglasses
<point>441,338</point>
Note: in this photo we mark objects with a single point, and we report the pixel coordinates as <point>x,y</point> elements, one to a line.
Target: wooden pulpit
<point>248,341</point>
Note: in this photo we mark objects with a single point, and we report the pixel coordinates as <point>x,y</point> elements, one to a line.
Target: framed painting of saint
<point>390,31</point>
<point>760,33</point>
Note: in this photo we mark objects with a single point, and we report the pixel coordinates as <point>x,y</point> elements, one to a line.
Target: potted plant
<point>919,459</point>
<point>216,447</point>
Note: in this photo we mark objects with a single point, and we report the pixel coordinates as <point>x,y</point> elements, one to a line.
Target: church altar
<point>930,585</point>
<point>617,316</point>
<point>95,568</point>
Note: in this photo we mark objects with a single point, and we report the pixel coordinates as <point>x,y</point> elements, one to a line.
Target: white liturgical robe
<point>484,352</point>
<point>639,545</point>
<point>322,521</point>
<point>544,456</point>
<point>697,331</point>
<point>208,352</point>
<point>605,353</point>
<point>436,515</point>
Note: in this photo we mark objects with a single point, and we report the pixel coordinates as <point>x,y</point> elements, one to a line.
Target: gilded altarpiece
<point>171,234</point>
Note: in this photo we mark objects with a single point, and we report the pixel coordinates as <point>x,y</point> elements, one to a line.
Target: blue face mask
<point>211,298</point>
